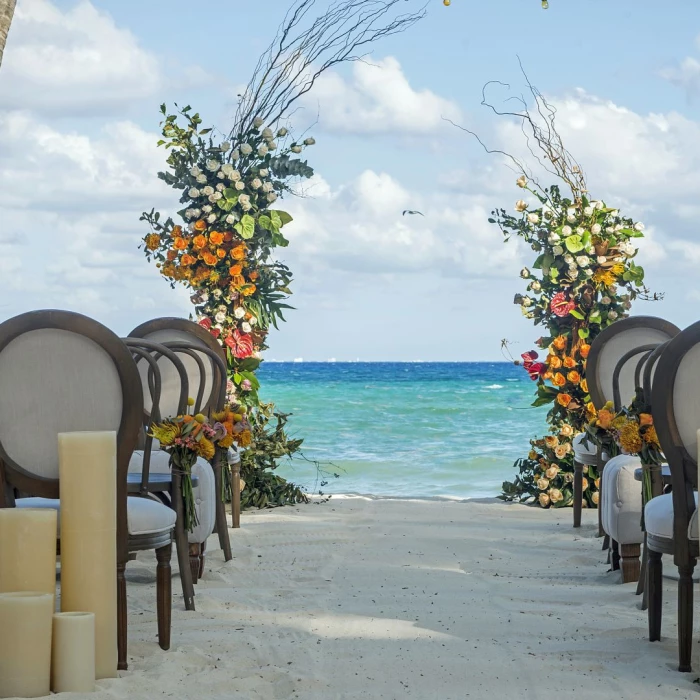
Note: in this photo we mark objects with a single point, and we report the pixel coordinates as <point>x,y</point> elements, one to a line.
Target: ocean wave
<point>494,386</point>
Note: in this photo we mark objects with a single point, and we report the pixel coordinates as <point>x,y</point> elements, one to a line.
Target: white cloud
<point>378,99</point>
<point>76,61</point>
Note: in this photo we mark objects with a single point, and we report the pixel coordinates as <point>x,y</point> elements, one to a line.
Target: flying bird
<point>410,211</point>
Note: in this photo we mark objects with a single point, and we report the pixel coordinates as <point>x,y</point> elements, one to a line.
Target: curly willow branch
<point>305,47</point>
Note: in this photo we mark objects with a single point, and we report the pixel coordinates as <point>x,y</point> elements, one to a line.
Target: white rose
<point>580,230</point>
<point>568,259</point>
<point>205,298</point>
<point>264,172</point>
<point>256,183</point>
<point>583,260</point>
<point>220,187</point>
<point>571,211</point>
<point>207,190</point>
<point>566,231</point>
<point>526,301</point>
<point>521,181</point>
<point>267,187</point>
<point>245,327</point>
<point>216,196</point>
<point>267,134</point>
<point>618,227</point>
<point>235,155</point>
<point>246,149</point>
<point>601,259</point>
<point>225,146</point>
<point>189,214</point>
<point>231,219</point>
<point>252,320</point>
<point>281,133</point>
<point>227,169</point>
<point>221,307</point>
<point>595,229</point>
<point>239,312</point>
<point>240,185</point>
<point>272,145</point>
<point>533,218</point>
<point>588,211</point>
<point>536,286</point>
<point>247,206</point>
<point>197,212</point>
<point>211,218</point>
<point>599,205</point>
<point>606,301</point>
<point>310,141</point>
<point>639,226</point>
<point>271,197</point>
<point>206,208</point>
<point>557,250</point>
<point>521,205</point>
<point>244,199</point>
<point>235,176</point>
<point>615,213</point>
<point>220,316</point>
<point>295,149</point>
<point>194,192</point>
<point>257,122</point>
<point>202,179</point>
<point>571,218</point>
<point>553,238</point>
<point>194,171</point>
<point>262,150</point>
<point>221,175</point>
<point>612,315</point>
<point>610,229</point>
<point>213,165</point>
<point>524,273</point>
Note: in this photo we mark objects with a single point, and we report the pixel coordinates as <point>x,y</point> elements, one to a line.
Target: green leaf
<point>230,193</point>
<point>583,333</point>
<point>283,216</point>
<point>246,226</point>
<point>577,314</point>
<point>237,378</point>
<point>537,265</point>
<point>250,364</point>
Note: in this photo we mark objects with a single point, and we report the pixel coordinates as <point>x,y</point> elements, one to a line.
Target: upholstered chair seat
<point>658,518</point>
<point>144,516</point>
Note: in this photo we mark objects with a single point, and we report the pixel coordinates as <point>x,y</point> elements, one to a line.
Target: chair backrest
<point>675,400</point>
<point>612,344</point>
<point>63,372</point>
<point>204,372</point>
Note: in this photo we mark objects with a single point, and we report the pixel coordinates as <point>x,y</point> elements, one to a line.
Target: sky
<point>80,86</point>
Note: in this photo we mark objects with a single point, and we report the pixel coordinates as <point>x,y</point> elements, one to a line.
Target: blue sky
<point>80,87</point>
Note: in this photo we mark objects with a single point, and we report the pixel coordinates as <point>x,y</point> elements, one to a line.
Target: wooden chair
<point>605,353</point>
<point>64,372</point>
<point>672,519</point>
<point>205,362</point>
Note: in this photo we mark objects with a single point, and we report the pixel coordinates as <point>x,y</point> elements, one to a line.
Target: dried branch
<point>305,47</point>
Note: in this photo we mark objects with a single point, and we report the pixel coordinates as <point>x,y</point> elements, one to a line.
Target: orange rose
<point>253,275</point>
<point>554,362</point>
<point>235,270</point>
<point>559,342</point>
<point>563,399</point>
<point>216,238</point>
<point>220,253</point>
<point>569,362</point>
<point>200,225</point>
<point>584,350</point>
<point>171,255</point>
<point>152,241</point>
<point>188,260</point>
<point>228,236</point>
<point>558,379</point>
<point>547,375</point>
<point>574,377</point>
<point>645,419</point>
<point>180,243</point>
<point>605,418</point>
<point>199,242</point>
<point>590,409</point>
<point>584,385</point>
<point>177,231</point>
<point>238,253</point>
<point>237,280</point>
<point>209,258</point>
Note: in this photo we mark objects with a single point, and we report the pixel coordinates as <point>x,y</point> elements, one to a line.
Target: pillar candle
<point>88,487</point>
<point>25,644</point>
<point>27,550</point>
<point>73,653</point>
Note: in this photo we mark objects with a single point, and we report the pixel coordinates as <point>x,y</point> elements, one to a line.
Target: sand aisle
<point>362,598</point>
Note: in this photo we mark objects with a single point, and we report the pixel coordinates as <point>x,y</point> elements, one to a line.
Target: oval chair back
<point>612,344</point>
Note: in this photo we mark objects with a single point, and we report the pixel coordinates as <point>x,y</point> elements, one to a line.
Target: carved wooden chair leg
<point>615,556</point>
<point>630,562</point>
<point>685,616</point>
<point>236,495</point>
<point>121,617</point>
<point>202,550</point>
<point>578,493</point>
<point>194,561</point>
<point>164,594</point>
<point>655,593</point>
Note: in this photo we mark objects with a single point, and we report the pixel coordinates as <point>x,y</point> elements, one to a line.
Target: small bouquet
<point>238,433</point>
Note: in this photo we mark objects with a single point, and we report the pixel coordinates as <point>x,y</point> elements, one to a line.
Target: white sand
<point>361,598</point>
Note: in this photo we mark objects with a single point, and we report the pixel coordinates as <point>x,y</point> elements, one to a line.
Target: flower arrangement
<point>583,279</point>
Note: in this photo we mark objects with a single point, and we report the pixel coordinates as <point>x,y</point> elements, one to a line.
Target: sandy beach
<point>365,598</point>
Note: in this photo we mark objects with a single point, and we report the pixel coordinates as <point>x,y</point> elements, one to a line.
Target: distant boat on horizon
<point>298,359</point>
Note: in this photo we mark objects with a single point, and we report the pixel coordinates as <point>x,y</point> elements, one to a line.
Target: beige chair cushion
<point>658,517</point>
<point>145,517</point>
<point>621,500</point>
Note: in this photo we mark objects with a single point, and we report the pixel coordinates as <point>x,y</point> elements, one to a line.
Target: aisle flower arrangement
<point>583,278</point>
<point>222,245</point>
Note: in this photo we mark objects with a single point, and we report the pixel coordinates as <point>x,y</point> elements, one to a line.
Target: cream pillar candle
<point>73,653</point>
<point>27,550</point>
<point>88,485</point>
<point>25,644</point>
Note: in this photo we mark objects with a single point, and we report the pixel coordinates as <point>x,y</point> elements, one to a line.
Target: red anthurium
<point>241,344</point>
<point>529,357</point>
<point>560,305</point>
<point>215,332</point>
<point>536,370</point>
<point>205,323</point>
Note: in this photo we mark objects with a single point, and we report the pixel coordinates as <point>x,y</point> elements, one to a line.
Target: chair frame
<point>684,481</point>
<point>14,477</point>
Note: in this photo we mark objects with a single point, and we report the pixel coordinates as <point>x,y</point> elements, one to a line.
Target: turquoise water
<point>406,429</point>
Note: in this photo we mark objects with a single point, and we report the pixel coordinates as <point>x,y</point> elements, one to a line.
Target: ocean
<point>409,430</point>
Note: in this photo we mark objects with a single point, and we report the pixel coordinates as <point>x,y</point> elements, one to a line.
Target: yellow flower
<point>190,401</point>
<point>551,472</point>
<point>152,241</point>
<point>532,455</point>
<point>165,433</point>
<point>605,418</point>
<point>604,277</point>
<point>651,438</point>
<point>542,484</point>
<point>245,438</point>
<point>584,386</point>
<point>555,495</point>
<point>205,448</point>
<point>561,451</point>
<point>544,500</point>
<point>551,441</point>
<point>617,269</point>
<point>566,430</point>
<point>630,439</point>
<point>595,497</point>
<point>200,418</point>
<point>584,483</point>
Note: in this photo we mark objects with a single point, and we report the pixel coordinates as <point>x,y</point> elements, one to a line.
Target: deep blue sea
<point>406,429</point>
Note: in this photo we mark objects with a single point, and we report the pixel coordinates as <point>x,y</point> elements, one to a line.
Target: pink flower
<point>246,385</point>
<point>560,305</point>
